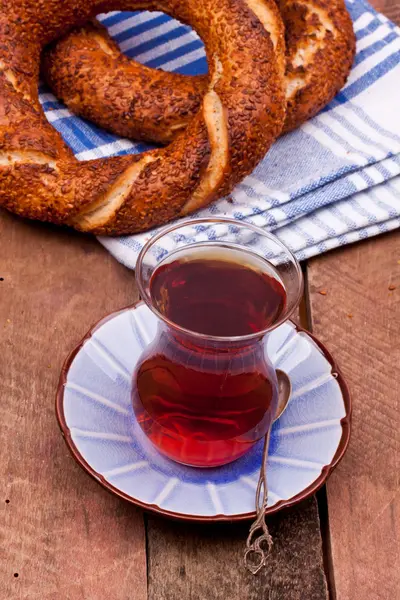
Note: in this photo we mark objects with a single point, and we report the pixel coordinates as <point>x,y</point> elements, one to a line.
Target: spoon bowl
<point>285,391</point>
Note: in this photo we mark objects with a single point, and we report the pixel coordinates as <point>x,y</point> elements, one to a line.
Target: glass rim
<point>146,297</point>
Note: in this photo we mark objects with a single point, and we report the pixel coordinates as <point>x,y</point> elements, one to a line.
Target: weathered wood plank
<point>64,536</point>
<point>204,562</point>
<point>359,320</point>
<point>391,8</point>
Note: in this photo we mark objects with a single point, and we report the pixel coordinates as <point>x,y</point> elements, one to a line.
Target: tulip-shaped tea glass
<point>205,391</point>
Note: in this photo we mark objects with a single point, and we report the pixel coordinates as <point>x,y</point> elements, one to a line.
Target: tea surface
<point>218,292</point>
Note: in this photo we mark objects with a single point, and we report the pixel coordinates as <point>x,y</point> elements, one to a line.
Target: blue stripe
<point>138,148</point>
<point>72,134</point>
<point>306,236</point>
<point>110,20</point>
<point>140,28</point>
<point>395,190</point>
<point>49,106</point>
<point>386,174</point>
<point>344,218</point>
<point>150,44</point>
<point>360,134</point>
<point>322,247</point>
<point>368,29</point>
<point>366,80</point>
<point>362,211</point>
<point>342,141</point>
<point>324,181</point>
<point>131,243</point>
<point>375,47</point>
<point>367,178</point>
<point>174,54</point>
<point>357,9</point>
<point>315,219</point>
<point>382,227</point>
<point>252,194</point>
<point>386,207</point>
<point>198,67</point>
<point>368,120</point>
<point>94,135</point>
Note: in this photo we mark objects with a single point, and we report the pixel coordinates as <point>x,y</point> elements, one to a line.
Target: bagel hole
<point>177,40</point>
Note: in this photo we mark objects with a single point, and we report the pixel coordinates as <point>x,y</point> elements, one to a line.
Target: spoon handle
<point>259,542</point>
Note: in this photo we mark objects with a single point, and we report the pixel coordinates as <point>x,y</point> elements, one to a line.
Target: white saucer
<point>95,414</point>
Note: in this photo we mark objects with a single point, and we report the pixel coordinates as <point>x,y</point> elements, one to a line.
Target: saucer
<point>96,418</point>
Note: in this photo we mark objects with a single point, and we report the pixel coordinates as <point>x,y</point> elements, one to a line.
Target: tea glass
<point>205,400</point>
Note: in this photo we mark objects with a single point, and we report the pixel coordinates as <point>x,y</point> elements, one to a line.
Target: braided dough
<point>87,70</point>
<point>239,116</point>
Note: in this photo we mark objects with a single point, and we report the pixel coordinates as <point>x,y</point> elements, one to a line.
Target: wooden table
<point>63,537</point>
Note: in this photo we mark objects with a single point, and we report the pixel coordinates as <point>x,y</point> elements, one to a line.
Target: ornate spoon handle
<point>259,541</point>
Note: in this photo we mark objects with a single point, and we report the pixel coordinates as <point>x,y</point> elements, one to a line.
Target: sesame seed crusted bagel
<point>241,113</point>
<point>87,70</point>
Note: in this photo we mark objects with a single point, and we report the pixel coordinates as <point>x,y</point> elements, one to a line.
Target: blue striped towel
<point>333,181</point>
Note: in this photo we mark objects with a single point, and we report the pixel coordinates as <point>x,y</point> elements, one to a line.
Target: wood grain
<point>359,320</point>
<point>363,494</point>
<point>206,562</point>
<point>63,535</point>
<point>391,8</point>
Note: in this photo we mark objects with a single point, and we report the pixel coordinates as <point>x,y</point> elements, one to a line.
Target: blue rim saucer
<point>96,418</point>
